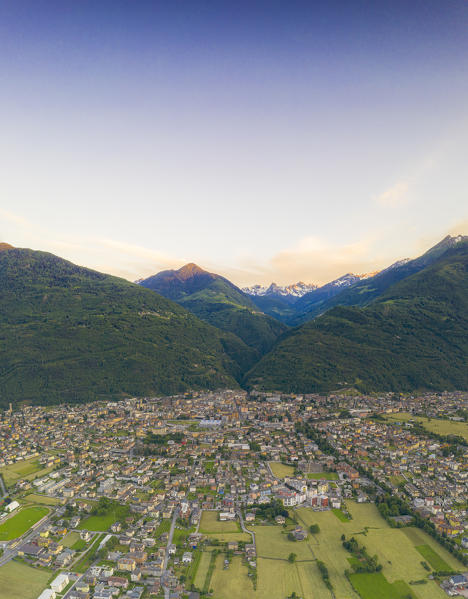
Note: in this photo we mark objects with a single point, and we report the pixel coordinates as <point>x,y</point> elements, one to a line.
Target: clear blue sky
<point>265,141</point>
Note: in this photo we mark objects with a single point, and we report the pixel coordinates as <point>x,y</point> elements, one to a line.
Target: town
<point>232,494</point>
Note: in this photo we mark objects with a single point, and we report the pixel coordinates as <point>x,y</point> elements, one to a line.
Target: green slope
<point>366,291</point>
<point>217,301</point>
<point>415,336</point>
<point>71,334</point>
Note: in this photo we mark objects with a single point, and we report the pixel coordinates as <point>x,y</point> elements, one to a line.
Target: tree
<point>314,529</point>
<point>292,558</point>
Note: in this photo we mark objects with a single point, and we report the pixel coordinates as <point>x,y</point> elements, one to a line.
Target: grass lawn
<point>100,523</point>
<point>370,586</point>
<point>323,475</point>
<point>281,470</point>
<point>232,583</point>
<point>433,558</point>
<point>18,470</point>
<point>86,560</point>
<point>18,581</point>
<point>42,499</point>
<point>224,537</point>
<point>210,524</point>
<point>340,515</point>
<point>202,570</point>
<point>441,427</point>
<point>164,526</point>
<point>20,522</point>
<point>70,539</point>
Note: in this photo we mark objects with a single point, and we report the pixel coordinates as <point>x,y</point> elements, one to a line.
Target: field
<point>323,475</point>
<point>400,551</point>
<point>18,581</point>
<point>224,537</point>
<point>433,558</point>
<point>202,569</point>
<point>98,523</point>
<point>370,586</point>
<point>42,499</point>
<point>20,522</point>
<point>281,470</point>
<point>70,539</point>
<point>441,427</point>
<point>210,524</point>
<point>232,583</point>
<point>18,470</point>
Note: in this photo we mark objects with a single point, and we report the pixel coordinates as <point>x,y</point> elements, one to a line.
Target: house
<point>126,564</point>
<point>232,545</point>
<point>187,557</point>
<point>59,583</point>
<point>249,517</point>
<point>299,533</point>
<point>47,594</point>
<point>280,520</point>
<point>172,549</point>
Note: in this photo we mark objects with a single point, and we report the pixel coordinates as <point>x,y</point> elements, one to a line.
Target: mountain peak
<point>5,246</point>
<point>190,270</point>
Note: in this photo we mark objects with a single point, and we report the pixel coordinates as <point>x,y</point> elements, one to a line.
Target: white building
<point>47,594</point>
<point>12,506</point>
<point>59,583</point>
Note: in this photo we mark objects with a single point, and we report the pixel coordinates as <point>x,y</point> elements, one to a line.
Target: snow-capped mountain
<point>295,290</point>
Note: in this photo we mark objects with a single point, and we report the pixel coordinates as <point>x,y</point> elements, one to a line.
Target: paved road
<point>244,529</point>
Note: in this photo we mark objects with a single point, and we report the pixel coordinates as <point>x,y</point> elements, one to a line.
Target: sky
<point>265,141</point>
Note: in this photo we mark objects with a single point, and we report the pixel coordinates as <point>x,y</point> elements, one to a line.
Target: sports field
<point>441,427</point>
<point>210,524</point>
<point>20,522</point>
<point>18,581</point>
<point>281,470</point>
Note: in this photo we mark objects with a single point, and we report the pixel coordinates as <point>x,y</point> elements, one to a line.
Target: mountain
<point>5,246</point>
<point>413,336</point>
<point>218,302</point>
<point>363,291</point>
<point>68,333</point>
<point>290,292</point>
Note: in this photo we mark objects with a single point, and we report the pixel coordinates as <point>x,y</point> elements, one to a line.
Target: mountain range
<point>73,334</point>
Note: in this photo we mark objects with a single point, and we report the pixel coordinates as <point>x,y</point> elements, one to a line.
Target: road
<point>11,550</point>
<point>166,555</point>
<point>3,490</point>
<point>244,529</point>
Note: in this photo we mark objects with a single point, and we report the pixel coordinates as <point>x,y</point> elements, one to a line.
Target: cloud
<point>394,196</point>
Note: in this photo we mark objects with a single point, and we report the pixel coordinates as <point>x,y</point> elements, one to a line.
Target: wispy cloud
<point>396,195</point>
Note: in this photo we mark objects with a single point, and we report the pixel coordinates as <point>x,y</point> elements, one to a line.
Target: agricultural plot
<point>232,583</point>
<point>19,470</point>
<point>98,523</point>
<point>224,537</point>
<point>18,581</point>
<point>370,586</point>
<point>70,539</point>
<point>202,571</point>
<point>281,470</point>
<point>210,524</point>
<point>441,427</point>
<point>20,522</point>
<point>433,558</point>
<point>40,499</point>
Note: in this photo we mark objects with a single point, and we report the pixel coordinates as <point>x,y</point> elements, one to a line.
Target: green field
<point>232,583</point>
<point>18,581</point>
<point>370,586</point>
<point>322,475</point>
<point>224,537</point>
<point>210,524</point>
<point>340,515</point>
<point>433,558</point>
<point>200,576</point>
<point>70,539</point>
<point>20,522</point>
<point>42,499</point>
<point>397,550</point>
<point>98,523</point>
<point>441,427</point>
<point>19,470</point>
<point>281,470</point>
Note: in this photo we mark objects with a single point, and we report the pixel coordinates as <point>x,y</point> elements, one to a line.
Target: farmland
<point>281,470</point>
<point>20,522</point>
<point>322,475</point>
<point>18,581</point>
<point>435,425</point>
<point>210,524</point>
<point>23,469</point>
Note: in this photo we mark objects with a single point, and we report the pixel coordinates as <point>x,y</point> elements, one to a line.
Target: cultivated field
<point>41,499</point>
<point>441,427</point>
<point>20,522</point>
<point>21,469</point>
<point>200,576</point>
<point>18,581</point>
<point>232,583</point>
<point>281,470</point>
<point>322,475</point>
<point>210,524</point>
